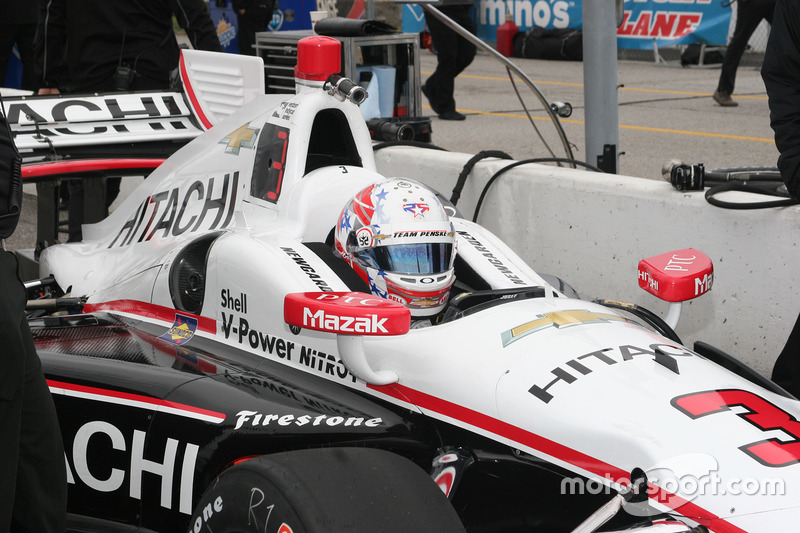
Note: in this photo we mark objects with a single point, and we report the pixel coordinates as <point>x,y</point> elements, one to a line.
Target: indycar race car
<point>218,367</point>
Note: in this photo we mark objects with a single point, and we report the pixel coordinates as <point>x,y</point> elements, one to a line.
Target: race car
<point>219,365</point>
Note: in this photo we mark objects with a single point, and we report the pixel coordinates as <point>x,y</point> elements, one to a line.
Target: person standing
<point>33,475</point>
<point>781,74</point>
<point>453,54</point>
<point>95,45</point>
<point>749,14</point>
<point>105,46</point>
<point>18,26</point>
<point>253,16</point>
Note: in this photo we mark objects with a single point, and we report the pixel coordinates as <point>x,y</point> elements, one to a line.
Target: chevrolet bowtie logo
<point>558,319</point>
<point>244,137</point>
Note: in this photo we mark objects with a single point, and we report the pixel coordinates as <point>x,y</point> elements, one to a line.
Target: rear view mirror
<point>351,315</point>
<point>676,277</point>
<point>346,313</point>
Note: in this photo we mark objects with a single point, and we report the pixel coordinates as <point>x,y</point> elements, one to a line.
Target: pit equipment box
<point>397,52</point>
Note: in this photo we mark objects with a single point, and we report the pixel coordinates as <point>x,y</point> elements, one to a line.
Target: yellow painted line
<point>496,78</point>
<point>624,127</point>
<point>631,89</point>
<point>687,93</point>
<point>699,134</point>
<point>538,82</point>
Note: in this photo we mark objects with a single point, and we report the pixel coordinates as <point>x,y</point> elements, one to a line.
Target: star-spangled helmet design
<point>397,236</point>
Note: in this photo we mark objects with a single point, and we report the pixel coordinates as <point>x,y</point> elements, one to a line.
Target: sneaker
<point>724,99</point>
<point>451,115</point>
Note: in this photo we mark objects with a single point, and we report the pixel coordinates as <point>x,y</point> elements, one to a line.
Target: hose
<point>518,163</point>
<point>769,188</point>
<point>757,180</point>
<point>415,144</point>
<point>462,177</point>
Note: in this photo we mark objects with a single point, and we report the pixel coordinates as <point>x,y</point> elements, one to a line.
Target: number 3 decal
<point>760,413</point>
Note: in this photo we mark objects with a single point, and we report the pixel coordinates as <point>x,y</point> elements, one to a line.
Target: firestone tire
<point>329,490</point>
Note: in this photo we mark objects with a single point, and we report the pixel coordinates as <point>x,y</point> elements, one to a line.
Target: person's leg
<point>10,417</point>
<point>440,85</point>
<point>75,211</point>
<point>39,492</point>
<point>7,37</point>
<point>112,190</point>
<point>766,9</point>
<point>246,36</point>
<point>12,381</point>
<point>466,50</point>
<point>746,23</point>
<point>41,502</point>
<point>30,74</point>
<point>786,371</point>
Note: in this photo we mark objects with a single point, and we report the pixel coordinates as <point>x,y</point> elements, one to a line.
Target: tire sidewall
<point>241,500</point>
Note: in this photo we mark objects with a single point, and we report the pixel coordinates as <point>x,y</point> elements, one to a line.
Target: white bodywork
<point>578,385</point>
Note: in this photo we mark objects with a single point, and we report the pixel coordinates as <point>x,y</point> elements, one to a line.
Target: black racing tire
<point>328,490</point>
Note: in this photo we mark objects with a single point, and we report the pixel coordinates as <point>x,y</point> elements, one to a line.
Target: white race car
<point>227,370</point>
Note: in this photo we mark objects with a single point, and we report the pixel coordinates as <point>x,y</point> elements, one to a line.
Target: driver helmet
<point>399,239</point>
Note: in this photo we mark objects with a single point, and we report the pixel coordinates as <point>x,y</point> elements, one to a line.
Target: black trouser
<point>33,484</point>
<point>76,207</point>
<point>77,204</point>
<point>749,14</point>
<point>786,371</point>
<point>453,53</point>
<point>255,19</point>
<point>22,35</point>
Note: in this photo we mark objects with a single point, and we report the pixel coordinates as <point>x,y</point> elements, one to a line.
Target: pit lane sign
<point>645,22</point>
<point>673,22</point>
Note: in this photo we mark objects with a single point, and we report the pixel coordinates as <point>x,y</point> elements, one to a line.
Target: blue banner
<point>490,14</point>
<point>673,23</point>
<point>665,22</point>
<point>413,18</point>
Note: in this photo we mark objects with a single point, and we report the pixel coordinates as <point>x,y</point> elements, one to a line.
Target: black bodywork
<point>148,425</point>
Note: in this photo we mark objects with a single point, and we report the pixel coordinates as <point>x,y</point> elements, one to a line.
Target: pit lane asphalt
<point>665,112</point>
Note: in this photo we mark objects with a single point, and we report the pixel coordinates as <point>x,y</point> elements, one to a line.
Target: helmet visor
<point>422,258</point>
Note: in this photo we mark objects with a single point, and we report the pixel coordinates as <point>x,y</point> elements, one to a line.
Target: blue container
<point>288,15</point>
<point>224,19</point>
<point>13,71</point>
<point>292,15</point>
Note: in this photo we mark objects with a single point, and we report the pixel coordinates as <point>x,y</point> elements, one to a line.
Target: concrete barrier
<point>592,229</point>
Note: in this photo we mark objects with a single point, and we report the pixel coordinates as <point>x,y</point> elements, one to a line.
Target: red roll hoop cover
<point>318,57</point>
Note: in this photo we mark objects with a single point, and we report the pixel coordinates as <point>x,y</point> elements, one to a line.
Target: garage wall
<point>592,229</point>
